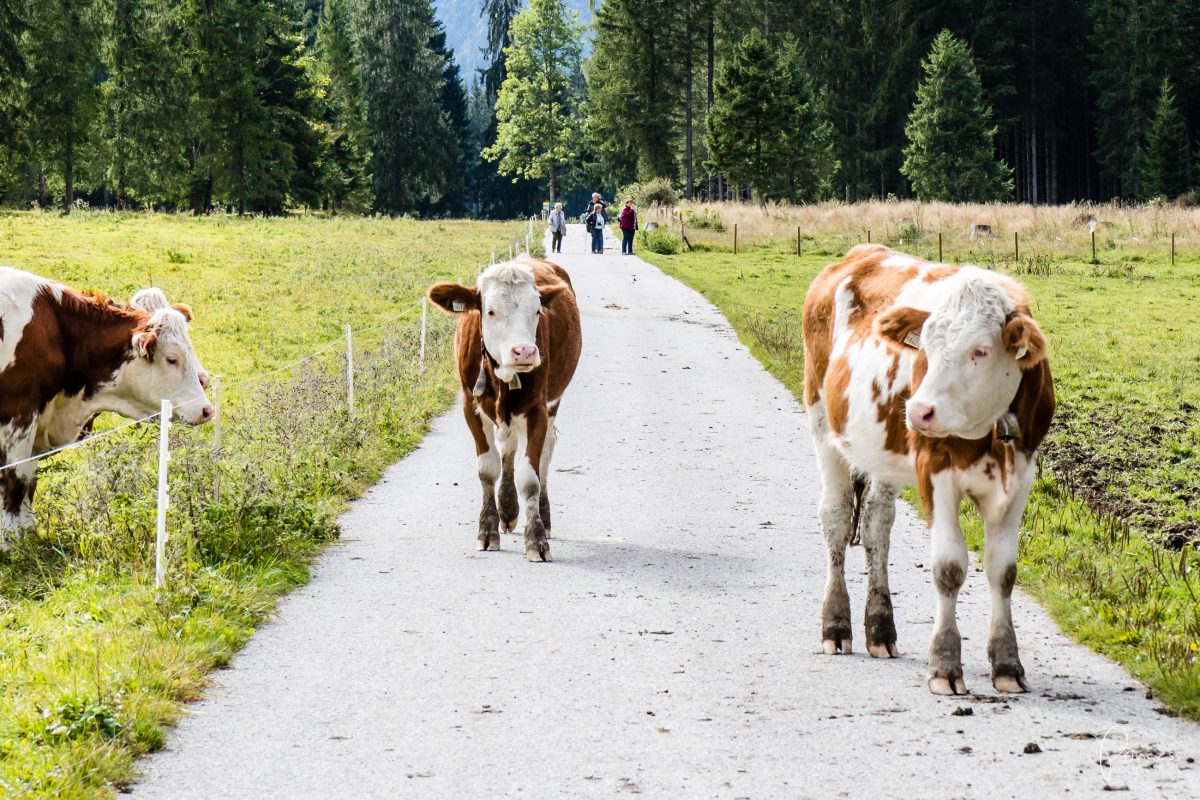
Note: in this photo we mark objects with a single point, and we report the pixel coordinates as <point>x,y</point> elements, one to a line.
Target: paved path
<point>671,647</point>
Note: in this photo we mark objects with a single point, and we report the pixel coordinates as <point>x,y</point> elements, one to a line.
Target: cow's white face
<point>165,366</point>
<point>976,348</point>
<point>510,304</point>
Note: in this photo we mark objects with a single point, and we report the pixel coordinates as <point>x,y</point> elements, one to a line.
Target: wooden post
<point>349,370</point>
<point>939,246</point>
<point>1016,247</point>
<point>868,235</point>
<point>1172,249</point>
<point>735,238</point>
<point>797,240</point>
<point>1094,261</point>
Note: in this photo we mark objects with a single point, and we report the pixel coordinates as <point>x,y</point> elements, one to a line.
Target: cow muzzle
<point>525,355</point>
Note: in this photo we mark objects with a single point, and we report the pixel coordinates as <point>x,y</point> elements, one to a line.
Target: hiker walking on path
<point>596,223</point>
<point>586,216</point>
<point>628,223</point>
<point>558,224</point>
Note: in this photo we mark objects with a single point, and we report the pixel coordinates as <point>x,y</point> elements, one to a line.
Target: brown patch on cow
<point>837,405</point>
<point>948,577</point>
<point>185,309</point>
<point>1008,580</point>
<point>892,414</point>
<point>989,471</point>
<point>935,274</point>
<point>898,323</point>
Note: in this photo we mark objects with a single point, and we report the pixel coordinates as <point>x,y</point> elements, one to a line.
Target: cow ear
<point>549,293</point>
<point>902,325</point>
<point>145,343</point>
<point>454,297</point>
<point>1024,339</point>
<point>184,309</point>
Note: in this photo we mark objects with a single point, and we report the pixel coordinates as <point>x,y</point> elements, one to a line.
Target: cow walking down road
<point>933,375</point>
<point>66,356</point>
<point>517,343</point>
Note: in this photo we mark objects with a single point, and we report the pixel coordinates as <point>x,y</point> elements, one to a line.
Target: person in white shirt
<point>558,225</point>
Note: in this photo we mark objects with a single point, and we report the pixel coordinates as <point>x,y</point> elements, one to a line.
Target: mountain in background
<point>466,31</point>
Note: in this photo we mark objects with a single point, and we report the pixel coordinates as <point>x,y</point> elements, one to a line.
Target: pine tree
<point>1168,158</point>
<point>804,161</point>
<point>453,99</point>
<point>345,181</point>
<point>412,146</point>
<point>950,155</point>
<point>12,75</point>
<point>536,108</point>
<point>144,134</point>
<point>749,115</point>
<point>63,95</point>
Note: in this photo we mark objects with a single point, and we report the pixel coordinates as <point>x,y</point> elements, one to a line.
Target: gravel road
<point>671,648</point>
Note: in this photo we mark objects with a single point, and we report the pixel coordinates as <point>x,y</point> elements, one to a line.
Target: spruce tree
<point>804,161</point>
<point>537,105</point>
<point>748,117</point>
<point>12,73</point>
<point>950,155</point>
<point>345,181</point>
<point>453,99</point>
<point>413,149</point>
<point>1168,158</point>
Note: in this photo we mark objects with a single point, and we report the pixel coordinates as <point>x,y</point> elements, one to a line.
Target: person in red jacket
<point>628,222</point>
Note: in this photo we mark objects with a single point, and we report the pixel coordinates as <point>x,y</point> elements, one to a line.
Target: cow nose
<point>921,416</point>
<point>206,413</point>
<point>524,354</point>
<point>203,376</point>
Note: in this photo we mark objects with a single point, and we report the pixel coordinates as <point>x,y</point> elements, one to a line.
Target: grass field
<point>1111,542</point>
<point>90,667</point>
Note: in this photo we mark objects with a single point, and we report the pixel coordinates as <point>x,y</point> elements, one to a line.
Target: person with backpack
<point>558,224</point>
<point>627,220</point>
<point>586,216</point>
<point>596,223</point>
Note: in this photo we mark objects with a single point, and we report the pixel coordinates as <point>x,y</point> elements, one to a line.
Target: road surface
<point>670,649</point>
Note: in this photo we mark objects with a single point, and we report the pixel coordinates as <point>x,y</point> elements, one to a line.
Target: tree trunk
<point>552,185</point>
<point>69,174</point>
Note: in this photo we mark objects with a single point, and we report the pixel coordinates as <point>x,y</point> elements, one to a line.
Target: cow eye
<point>980,352</point>
<point>491,312</point>
<point>172,360</point>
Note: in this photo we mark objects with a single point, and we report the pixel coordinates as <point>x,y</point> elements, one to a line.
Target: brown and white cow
<point>933,375</point>
<point>66,356</point>
<point>517,343</point>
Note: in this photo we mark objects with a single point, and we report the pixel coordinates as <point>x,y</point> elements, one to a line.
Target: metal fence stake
<point>349,370</point>
<point>424,309</point>
<point>160,525</point>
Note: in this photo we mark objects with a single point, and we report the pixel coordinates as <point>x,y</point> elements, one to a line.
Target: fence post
<point>868,235</point>
<point>797,240</point>
<point>1094,261</point>
<point>349,370</point>
<point>424,308</point>
<point>216,451</point>
<point>1172,249</point>
<point>735,238</point>
<point>160,525</point>
<point>939,246</point>
<point>1016,246</point>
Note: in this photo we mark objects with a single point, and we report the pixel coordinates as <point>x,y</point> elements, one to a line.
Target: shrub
<point>659,240</point>
<point>704,218</point>
<point>659,191</point>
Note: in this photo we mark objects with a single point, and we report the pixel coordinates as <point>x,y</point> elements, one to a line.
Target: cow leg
<point>875,523</point>
<point>949,558</point>
<point>509,506</point>
<point>488,460</point>
<point>1000,564</point>
<point>533,436</point>
<point>17,484</point>
<point>837,514</point>
<point>544,473</point>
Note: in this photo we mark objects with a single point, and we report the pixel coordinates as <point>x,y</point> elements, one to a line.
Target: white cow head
<point>509,304</point>
<point>975,345</point>
<point>165,365</point>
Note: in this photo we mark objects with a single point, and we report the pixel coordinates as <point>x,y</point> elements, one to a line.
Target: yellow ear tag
<point>913,340</point>
<point>459,305</point>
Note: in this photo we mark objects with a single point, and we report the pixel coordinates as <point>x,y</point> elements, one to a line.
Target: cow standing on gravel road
<point>517,344</point>
<point>933,375</point>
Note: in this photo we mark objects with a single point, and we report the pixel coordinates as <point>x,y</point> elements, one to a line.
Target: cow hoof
<point>834,646</point>
<point>538,553</point>
<point>488,541</point>
<point>508,525</point>
<point>1010,683</point>
<point>547,533</point>
<point>883,650</point>
<point>946,686</point>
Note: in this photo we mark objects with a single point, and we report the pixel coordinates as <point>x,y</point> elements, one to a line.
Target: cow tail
<point>860,493</point>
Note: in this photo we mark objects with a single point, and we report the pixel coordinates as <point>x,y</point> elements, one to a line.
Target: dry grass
<point>1061,230</point>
